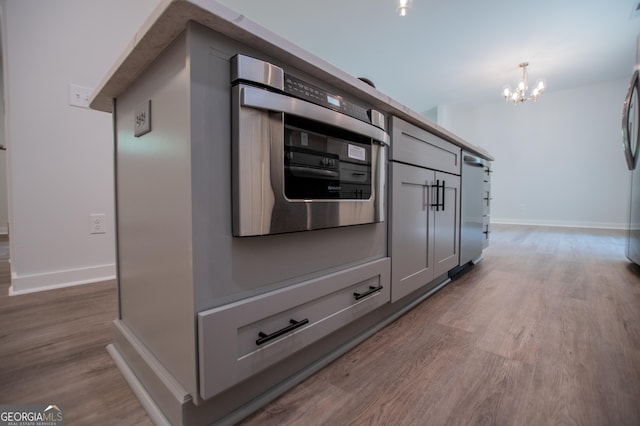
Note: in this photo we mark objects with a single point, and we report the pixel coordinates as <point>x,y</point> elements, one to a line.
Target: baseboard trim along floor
<point>31,283</point>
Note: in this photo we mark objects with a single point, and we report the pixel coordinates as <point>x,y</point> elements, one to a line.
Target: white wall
<point>558,161</point>
<point>61,157</point>
<point>4,208</point>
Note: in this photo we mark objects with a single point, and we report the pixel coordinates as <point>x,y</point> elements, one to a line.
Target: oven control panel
<point>252,70</point>
<point>303,90</point>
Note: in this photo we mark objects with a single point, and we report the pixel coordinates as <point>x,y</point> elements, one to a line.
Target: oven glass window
<point>323,163</point>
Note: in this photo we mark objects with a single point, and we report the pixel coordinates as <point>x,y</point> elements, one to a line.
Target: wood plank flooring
<point>52,351</point>
<point>546,330</point>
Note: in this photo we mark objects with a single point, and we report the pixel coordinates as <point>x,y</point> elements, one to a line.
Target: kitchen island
<point>213,324</point>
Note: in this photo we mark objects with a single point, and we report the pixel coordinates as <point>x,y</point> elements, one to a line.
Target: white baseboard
<point>23,284</point>
<point>559,223</point>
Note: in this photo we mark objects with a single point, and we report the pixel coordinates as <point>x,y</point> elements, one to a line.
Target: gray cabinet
<point>424,208</point>
<point>424,227</point>
<point>486,225</point>
<point>413,145</point>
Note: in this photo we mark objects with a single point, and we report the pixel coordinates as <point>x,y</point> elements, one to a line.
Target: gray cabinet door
<point>411,225</point>
<point>447,225</point>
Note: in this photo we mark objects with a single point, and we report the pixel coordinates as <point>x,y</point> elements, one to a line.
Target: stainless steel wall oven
<point>304,157</point>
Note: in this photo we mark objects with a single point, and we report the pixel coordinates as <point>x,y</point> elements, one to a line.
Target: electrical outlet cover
<point>142,124</point>
<point>97,223</point>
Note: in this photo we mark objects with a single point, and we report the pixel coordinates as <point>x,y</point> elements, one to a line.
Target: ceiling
<point>447,52</point>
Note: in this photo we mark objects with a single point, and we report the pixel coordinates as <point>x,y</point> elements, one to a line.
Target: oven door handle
<point>313,173</point>
<point>262,99</point>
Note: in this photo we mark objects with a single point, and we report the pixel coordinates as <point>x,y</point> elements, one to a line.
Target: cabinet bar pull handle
<point>371,290</point>
<point>264,338</point>
<point>437,203</point>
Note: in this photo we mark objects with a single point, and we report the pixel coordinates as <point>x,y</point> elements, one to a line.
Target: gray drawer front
<point>413,145</point>
<point>228,335</point>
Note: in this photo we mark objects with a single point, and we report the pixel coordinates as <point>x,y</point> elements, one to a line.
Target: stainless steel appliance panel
<point>472,208</point>
<point>631,142</point>
<point>338,175</point>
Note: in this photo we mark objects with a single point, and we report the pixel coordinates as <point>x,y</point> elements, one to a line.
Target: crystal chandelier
<point>520,94</point>
<point>403,6</point>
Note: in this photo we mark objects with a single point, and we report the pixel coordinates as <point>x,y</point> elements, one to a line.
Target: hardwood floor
<point>546,330</point>
<point>52,351</point>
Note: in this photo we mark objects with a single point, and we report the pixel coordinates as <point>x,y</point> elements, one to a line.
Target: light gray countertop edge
<point>170,18</point>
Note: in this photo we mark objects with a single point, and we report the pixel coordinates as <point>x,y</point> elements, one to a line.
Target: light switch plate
<point>143,119</point>
<point>79,96</point>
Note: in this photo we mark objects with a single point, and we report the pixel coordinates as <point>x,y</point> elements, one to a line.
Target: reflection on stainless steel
<point>631,145</point>
<point>377,119</point>
<point>246,68</point>
<point>471,226</point>
<point>263,99</point>
<point>629,122</point>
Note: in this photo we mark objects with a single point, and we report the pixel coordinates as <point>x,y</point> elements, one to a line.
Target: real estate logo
<point>31,415</point>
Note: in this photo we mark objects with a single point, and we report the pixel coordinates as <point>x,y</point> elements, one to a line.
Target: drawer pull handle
<point>264,338</point>
<point>371,290</point>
